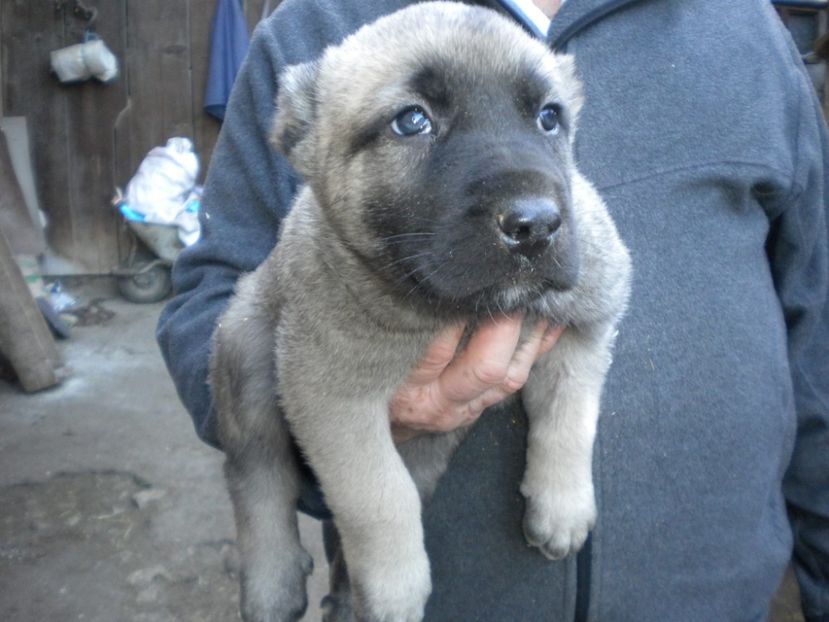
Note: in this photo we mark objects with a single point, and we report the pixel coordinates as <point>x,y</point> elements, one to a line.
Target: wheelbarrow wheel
<point>150,286</point>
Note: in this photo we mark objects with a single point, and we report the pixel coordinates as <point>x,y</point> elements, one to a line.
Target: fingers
<point>540,341</point>
<point>484,363</point>
<point>446,392</point>
<point>523,359</point>
<point>549,340</point>
<point>438,355</point>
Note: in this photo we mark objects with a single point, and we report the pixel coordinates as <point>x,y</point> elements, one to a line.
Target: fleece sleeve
<point>800,264</point>
<point>248,190</point>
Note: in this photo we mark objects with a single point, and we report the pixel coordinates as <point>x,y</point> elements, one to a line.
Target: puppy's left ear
<point>572,91</point>
<point>296,111</point>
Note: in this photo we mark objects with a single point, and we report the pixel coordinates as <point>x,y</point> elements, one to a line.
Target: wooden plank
<point>16,133</point>
<point>30,31</point>
<point>92,111</point>
<point>2,66</point>
<point>158,65</point>
<point>25,339</point>
<point>205,127</point>
<point>253,11</point>
<point>823,50</point>
<point>15,221</point>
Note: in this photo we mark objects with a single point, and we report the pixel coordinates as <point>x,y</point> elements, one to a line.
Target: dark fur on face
<point>438,223</point>
<point>431,203</point>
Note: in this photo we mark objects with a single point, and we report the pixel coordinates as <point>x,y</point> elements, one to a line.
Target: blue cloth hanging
<point>228,45</point>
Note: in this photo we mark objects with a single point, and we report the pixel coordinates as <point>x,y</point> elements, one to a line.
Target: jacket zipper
<point>583,565</point>
<point>584,558</point>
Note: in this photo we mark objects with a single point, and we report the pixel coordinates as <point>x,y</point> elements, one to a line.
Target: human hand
<point>444,393</point>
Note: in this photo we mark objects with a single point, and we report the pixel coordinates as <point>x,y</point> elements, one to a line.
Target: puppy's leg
<point>375,503</point>
<point>261,472</point>
<point>427,457</point>
<point>336,606</point>
<point>562,403</point>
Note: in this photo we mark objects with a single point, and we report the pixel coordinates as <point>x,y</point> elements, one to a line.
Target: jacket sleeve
<point>248,191</point>
<point>798,253</point>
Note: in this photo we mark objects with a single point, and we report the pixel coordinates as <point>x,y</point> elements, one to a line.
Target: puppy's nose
<point>529,226</point>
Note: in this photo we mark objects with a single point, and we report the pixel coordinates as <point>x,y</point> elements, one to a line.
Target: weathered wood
<point>253,11</point>
<point>822,48</point>
<point>92,109</point>
<point>158,64</point>
<point>15,221</point>
<point>25,340</point>
<point>87,139</point>
<point>205,127</point>
<point>30,31</point>
<point>2,68</point>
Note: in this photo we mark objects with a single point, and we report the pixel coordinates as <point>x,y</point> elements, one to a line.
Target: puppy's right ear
<point>296,110</point>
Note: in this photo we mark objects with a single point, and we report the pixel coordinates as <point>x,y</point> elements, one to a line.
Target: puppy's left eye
<point>411,122</point>
<point>549,118</point>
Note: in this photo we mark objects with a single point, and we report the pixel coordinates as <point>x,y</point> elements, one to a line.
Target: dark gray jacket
<point>712,457</point>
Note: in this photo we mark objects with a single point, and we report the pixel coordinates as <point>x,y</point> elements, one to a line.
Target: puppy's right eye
<point>411,122</point>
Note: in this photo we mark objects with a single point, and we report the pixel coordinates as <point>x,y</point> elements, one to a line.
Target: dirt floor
<point>110,507</point>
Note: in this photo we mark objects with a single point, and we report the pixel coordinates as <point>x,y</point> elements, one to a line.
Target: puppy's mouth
<point>489,291</point>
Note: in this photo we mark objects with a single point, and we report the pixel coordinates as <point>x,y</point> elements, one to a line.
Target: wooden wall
<point>89,138</point>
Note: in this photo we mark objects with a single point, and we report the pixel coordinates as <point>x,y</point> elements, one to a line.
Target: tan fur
<point>345,336</point>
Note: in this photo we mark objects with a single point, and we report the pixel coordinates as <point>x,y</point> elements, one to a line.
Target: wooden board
<point>87,139</point>
<point>25,339</point>
<point>92,109</point>
<point>205,127</point>
<point>158,65</point>
<point>253,11</point>
<point>30,31</point>
<point>15,220</point>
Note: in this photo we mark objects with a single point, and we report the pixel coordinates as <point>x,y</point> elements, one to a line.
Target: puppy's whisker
<point>407,235</point>
<point>406,276</point>
<point>423,280</point>
<point>404,259</point>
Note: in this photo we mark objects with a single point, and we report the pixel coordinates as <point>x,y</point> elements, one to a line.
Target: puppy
<point>436,146</point>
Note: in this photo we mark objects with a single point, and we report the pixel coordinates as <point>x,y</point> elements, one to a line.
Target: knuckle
<point>513,383</point>
<point>442,422</point>
<point>490,373</point>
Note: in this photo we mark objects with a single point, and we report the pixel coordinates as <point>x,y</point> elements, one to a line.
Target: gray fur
<point>328,304</point>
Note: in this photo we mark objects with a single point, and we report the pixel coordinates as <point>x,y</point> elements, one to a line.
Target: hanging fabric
<point>228,45</point>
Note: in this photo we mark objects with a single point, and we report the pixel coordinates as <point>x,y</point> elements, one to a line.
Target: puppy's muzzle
<point>529,226</point>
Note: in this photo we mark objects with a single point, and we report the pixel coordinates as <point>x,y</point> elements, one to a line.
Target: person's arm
<point>798,250</point>
<point>248,191</point>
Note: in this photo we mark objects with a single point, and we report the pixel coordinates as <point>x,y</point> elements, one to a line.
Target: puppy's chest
<point>353,357</point>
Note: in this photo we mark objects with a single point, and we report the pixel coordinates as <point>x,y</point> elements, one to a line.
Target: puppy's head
<point>438,141</point>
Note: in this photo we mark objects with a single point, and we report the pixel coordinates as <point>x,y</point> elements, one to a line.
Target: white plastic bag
<point>76,63</point>
<point>164,180</point>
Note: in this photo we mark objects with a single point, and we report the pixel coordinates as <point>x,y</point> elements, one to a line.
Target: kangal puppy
<point>436,145</point>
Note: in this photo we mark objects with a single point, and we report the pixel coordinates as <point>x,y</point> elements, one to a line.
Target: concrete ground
<point>110,507</point>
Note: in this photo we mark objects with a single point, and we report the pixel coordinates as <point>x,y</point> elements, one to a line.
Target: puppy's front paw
<point>276,593</point>
<point>394,593</point>
<point>558,523</point>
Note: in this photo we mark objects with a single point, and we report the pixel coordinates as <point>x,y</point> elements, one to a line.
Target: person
<point>703,134</point>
